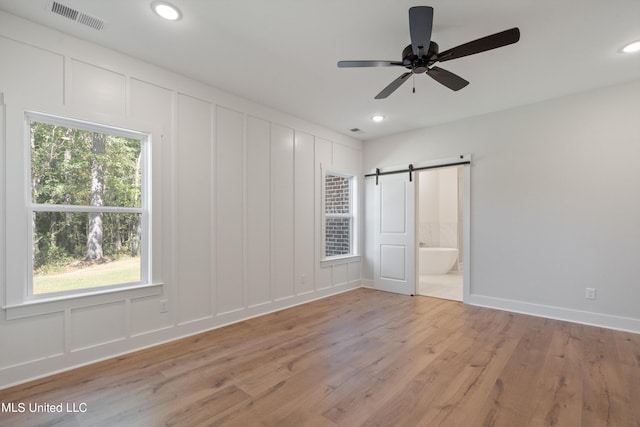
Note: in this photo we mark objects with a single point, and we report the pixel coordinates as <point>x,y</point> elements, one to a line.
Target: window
<point>88,206</point>
<point>338,215</point>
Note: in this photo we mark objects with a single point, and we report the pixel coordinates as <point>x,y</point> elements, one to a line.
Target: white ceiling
<point>283,53</point>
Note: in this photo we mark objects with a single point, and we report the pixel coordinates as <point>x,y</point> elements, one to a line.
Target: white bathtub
<point>436,261</point>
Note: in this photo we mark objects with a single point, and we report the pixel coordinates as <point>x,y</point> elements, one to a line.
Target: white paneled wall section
<point>236,198</point>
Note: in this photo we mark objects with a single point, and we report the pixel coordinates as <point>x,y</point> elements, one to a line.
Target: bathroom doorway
<point>440,232</point>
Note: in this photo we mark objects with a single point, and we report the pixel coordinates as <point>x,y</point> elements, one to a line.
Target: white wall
<point>236,197</point>
<point>555,203</point>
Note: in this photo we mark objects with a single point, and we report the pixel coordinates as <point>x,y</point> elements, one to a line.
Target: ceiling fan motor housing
<point>420,64</point>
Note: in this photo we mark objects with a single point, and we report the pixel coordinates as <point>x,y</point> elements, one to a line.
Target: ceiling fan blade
<point>483,44</point>
<point>393,85</point>
<point>348,64</point>
<point>447,78</point>
<point>420,25</point>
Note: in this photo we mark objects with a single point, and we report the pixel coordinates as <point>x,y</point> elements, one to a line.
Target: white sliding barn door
<point>395,248</point>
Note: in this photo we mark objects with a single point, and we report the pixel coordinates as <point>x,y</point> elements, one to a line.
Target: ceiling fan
<point>422,53</point>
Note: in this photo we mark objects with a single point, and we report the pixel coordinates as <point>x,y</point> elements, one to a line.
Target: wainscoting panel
<point>258,271</point>
<point>305,206</point>
<point>106,98</point>
<point>282,212</point>
<point>229,237</point>
<point>93,326</point>
<point>194,209</point>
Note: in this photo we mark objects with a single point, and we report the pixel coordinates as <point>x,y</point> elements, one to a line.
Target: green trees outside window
<point>86,194</point>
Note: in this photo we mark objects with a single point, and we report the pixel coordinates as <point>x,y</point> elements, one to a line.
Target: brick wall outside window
<point>338,218</point>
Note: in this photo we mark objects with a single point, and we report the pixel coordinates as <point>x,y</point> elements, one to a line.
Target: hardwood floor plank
<point>558,393</point>
<point>509,402</point>
<point>393,368</point>
<point>606,390</point>
<point>628,346</point>
<point>360,358</point>
<point>462,398</point>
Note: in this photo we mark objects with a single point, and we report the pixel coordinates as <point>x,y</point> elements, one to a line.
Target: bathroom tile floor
<point>447,286</point>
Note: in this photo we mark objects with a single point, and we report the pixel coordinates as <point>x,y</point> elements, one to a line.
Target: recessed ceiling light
<point>631,47</point>
<point>166,10</point>
<point>377,118</point>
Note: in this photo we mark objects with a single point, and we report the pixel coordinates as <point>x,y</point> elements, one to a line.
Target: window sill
<point>39,306</point>
<point>342,259</point>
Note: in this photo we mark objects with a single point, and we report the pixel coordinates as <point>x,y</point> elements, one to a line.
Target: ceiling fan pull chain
<point>414,83</point>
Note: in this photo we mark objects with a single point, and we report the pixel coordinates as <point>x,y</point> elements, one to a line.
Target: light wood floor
<point>361,358</point>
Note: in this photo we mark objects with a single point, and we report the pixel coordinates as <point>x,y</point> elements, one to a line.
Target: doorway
<point>440,232</point>
<point>395,228</point>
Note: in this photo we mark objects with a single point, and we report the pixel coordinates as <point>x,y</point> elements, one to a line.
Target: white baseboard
<point>626,324</point>
<point>609,321</point>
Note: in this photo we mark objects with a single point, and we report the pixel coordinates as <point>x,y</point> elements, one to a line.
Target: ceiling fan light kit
<point>421,55</point>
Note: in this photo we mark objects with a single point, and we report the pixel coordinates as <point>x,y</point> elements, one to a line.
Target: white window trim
<point>144,210</point>
<point>14,205</point>
<point>96,296</point>
<point>354,254</point>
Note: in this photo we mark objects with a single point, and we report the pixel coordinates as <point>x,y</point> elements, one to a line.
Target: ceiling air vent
<point>77,16</point>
